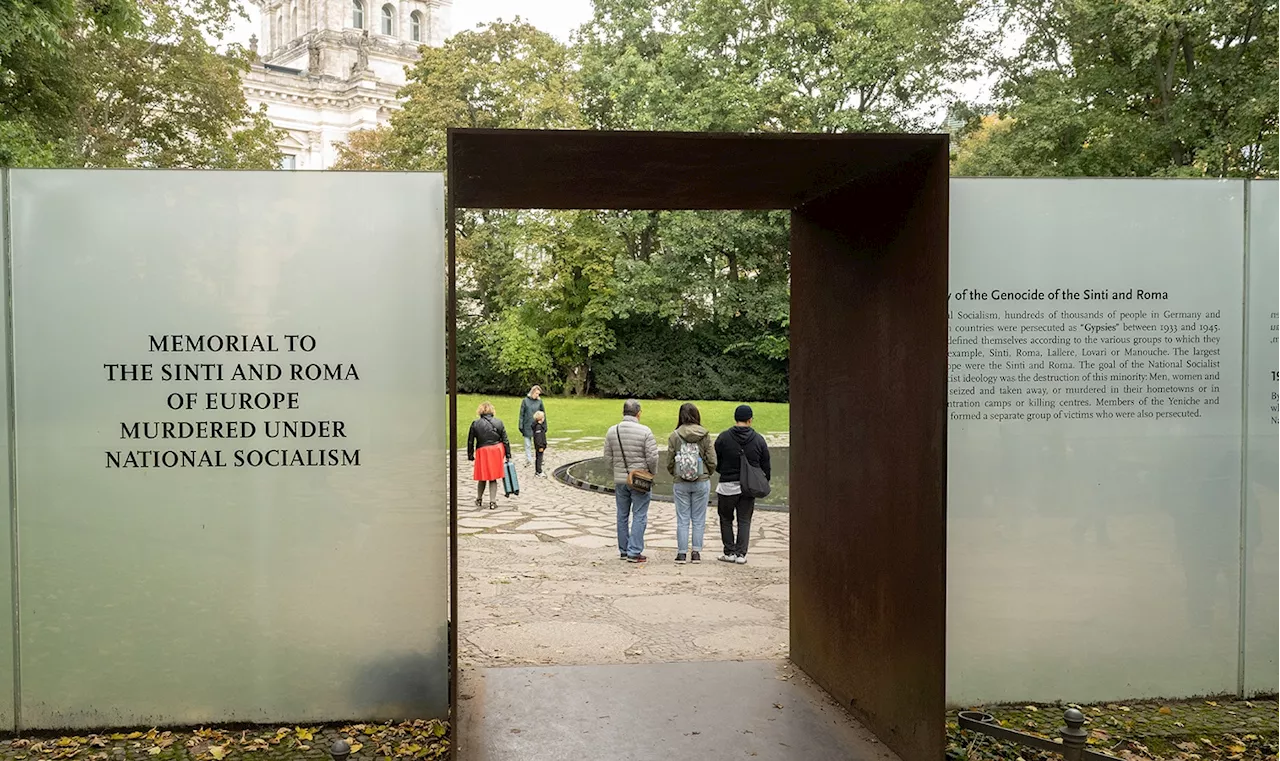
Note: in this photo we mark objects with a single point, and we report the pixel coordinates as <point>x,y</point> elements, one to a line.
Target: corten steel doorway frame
<point>869,249</point>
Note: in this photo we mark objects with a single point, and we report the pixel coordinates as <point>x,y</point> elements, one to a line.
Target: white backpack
<point>688,462</point>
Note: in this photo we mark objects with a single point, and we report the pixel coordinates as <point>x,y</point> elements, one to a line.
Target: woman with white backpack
<point>691,459</point>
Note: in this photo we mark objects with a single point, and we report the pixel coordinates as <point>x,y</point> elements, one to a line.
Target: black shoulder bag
<point>752,477</point>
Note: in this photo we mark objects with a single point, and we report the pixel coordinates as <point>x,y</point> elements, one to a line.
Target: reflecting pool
<point>595,474</point>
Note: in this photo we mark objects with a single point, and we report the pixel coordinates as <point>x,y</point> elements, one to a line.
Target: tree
<point>508,75</point>
<point>128,83</point>
<point>577,296</point>
<point>532,285</point>
<point>1157,88</point>
<point>543,295</point>
<point>798,65</point>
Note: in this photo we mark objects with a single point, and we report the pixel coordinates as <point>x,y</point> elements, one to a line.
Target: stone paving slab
<point>758,710</point>
<point>532,593</point>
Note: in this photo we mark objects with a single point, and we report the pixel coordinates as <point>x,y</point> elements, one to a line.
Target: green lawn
<point>582,423</point>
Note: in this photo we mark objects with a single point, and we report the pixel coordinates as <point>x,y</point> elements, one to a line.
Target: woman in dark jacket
<point>488,448</point>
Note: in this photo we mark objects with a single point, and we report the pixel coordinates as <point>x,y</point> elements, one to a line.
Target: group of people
<point>630,448</point>
<point>691,460</point>
<point>490,449</point>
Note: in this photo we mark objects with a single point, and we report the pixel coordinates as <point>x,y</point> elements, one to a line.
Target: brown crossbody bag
<point>638,480</point>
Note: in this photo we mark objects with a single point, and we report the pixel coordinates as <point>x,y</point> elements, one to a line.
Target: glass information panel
<point>230,446</point>
<point>6,525</point>
<point>1262,559</point>
<point>1094,439</point>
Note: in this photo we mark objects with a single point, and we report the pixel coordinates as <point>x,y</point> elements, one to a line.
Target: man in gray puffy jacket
<point>631,446</point>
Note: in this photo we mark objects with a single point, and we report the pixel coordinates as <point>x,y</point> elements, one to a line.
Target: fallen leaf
<point>777,705</point>
<point>1187,746</point>
<point>305,734</point>
<point>1033,709</point>
<point>1166,710</point>
<point>1211,703</point>
<point>218,752</point>
<point>1237,748</point>
<point>439,730</point>
<point>154,751</point>
<point>355,746</point>
<point>1179,724</point>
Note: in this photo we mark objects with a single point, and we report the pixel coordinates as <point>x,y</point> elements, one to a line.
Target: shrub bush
<point>654,360</point>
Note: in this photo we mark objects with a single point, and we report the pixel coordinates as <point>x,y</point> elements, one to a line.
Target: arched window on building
<point>357,14</point>
<point>278,38</point>
<point>294,28</point>
<point>388,20</point>
<point>415,26</point>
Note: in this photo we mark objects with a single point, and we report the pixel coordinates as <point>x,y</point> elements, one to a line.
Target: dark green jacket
<point>528,406</point>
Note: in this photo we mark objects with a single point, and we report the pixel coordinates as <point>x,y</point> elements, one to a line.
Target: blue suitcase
<point>510,481</point>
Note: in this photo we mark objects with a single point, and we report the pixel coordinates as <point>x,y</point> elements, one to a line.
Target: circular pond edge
<point>561,474</point>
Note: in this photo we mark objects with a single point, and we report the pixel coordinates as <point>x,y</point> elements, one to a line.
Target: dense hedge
<point>656,361</point>
<point>652,360</point>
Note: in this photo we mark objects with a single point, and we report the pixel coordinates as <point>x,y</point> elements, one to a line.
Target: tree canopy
<point>579,300</point>
<point>1154,88</point>
<point>113,83</point>
<point>547,295</point>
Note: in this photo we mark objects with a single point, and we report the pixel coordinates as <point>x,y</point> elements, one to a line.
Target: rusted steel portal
<point>868,372</point>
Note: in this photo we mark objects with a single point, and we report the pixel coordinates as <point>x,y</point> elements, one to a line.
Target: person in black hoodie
<point>731,445</point>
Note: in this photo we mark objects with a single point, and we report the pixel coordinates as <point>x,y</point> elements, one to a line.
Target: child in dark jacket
<point>539,441</point>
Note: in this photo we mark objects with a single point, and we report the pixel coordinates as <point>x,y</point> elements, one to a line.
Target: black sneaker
<point>637,559</point>
<point>622,555</point>
<point>696,557</point>
<point>680,559</point>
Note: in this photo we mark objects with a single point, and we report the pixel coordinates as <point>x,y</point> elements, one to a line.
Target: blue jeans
<point>691,505</point>
<point>528,450</point>
<point>633,505</point>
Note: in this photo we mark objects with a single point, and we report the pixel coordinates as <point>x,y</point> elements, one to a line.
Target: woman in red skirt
<point>488,448</point>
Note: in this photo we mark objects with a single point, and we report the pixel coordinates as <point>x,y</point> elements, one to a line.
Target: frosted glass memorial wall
<point>1261,558</point>
<point>229,447</point>
<point>1095,460</point>
<point>6,484</point>
<point>227,459</point>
